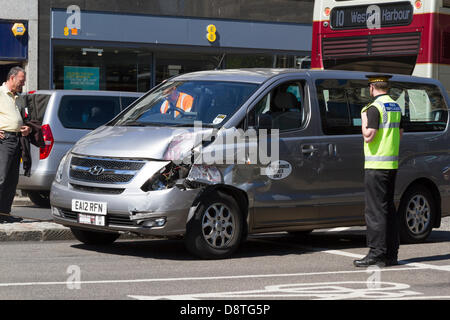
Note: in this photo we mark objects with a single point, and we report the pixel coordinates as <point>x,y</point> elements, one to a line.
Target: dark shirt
<point>373,117</point>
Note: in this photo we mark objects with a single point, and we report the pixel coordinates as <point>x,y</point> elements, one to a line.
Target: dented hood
<point>141,142</point>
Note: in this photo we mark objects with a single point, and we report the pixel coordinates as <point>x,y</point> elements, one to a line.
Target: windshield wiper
<point>161,124</point>
<point>189,125</point>
<point>135,124</point>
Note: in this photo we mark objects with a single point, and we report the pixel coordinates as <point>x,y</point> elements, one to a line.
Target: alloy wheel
<point>418,214</point>
<point>218,225</point>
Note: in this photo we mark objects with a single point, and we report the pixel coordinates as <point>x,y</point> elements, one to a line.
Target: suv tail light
<point>44,152</point>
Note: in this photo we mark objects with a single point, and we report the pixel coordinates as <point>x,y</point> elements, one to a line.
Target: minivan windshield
<point>181,103</point>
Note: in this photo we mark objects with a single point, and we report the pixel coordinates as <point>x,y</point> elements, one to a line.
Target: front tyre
<point>215,230</point>
<point>417,211</point>
<point>94,237</point>
<point>39,198</point>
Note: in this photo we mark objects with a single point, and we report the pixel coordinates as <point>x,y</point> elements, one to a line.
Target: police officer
<point>382,133</point>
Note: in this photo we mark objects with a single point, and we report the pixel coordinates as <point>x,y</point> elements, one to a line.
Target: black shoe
<point>370,261</point>
<point>391,262</point>
<point>9,219</point>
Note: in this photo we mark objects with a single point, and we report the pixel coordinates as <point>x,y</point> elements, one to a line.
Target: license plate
<point>91,219</point>
<point>92,207</point>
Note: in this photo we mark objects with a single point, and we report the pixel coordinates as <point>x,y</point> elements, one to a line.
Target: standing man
<point>381,132</point>
<point>11,128</point>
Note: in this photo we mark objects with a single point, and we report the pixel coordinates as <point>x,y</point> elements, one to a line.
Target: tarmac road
<point>24,208</point>
<point>267,267</point>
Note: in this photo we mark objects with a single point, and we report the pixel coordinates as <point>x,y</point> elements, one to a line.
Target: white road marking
<point>249,276</point>
<point>424,298</point>
<point>357,256</point>
<point>318,290</point>
<point>427,266</point>
<point>338,229</point>
<point>407,267</point>
<point>342,253</point>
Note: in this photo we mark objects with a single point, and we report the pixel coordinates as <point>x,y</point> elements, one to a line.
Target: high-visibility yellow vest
<point>382,152</point>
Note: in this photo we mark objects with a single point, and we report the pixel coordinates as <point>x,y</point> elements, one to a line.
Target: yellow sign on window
<point>18,29</point>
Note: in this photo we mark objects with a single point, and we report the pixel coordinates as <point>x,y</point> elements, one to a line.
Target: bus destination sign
<point>373,16</point>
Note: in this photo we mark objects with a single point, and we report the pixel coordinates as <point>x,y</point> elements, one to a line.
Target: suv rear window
<point>423,106</point>
<point>341,101</point>
<point>126,101</point>
<point>87,112</point>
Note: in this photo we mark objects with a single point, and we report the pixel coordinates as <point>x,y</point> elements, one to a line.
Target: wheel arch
<point>239,195</point>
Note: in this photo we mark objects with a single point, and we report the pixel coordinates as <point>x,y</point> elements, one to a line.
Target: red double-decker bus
<point>407,37</point>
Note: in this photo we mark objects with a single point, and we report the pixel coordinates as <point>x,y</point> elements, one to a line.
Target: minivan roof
<point>90,92</point>
<point>260,75</point>
<point>238,75</point>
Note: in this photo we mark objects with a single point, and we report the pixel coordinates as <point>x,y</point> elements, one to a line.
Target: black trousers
<point>381,215</point>
<point>10,153</point>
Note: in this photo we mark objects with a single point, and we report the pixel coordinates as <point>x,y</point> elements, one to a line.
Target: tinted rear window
<point>126,101</point>
<point>87,112</point>
<point>340,100</point>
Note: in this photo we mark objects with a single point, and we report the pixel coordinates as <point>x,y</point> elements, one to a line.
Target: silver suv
<point>66,116</point>
<point>194,157</point>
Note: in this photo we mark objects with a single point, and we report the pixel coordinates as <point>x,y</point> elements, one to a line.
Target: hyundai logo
<point>96,170</point>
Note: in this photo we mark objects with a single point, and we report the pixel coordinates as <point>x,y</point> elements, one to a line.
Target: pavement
<point>32,230</point>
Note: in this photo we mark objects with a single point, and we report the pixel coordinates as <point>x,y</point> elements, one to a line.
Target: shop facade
<point>18,39</point>
<point>136,48</point>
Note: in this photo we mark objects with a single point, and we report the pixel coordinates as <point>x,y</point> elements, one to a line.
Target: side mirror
<point>264,121</point>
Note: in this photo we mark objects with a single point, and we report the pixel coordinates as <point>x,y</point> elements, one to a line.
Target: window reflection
<point>115,69</point>
<point>139,69</point>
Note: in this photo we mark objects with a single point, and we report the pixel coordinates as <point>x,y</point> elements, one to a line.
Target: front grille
<point>119,220</point>
<point>104,170</point>
<point>97,189</point>
<point>67,214</point>
<point>111,219</point>
<point>104,178</point>
<point>108,163</point>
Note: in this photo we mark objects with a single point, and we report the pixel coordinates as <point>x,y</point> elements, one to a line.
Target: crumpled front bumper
<point>128,212</point>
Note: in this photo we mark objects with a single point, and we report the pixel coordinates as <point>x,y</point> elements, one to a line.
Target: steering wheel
<point>173,109</point>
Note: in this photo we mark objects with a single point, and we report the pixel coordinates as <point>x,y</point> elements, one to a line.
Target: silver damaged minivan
<point>216,155</point>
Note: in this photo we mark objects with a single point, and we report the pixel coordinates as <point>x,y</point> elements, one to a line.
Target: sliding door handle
<point>309,149</point>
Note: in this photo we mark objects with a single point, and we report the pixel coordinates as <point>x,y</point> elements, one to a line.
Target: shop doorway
<point>5,66</point>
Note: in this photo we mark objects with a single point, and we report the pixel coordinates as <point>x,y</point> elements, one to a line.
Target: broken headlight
<point>166,178</point>
<point>205,174</point>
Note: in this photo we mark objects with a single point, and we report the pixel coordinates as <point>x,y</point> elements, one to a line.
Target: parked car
<point>66,116</point>
<point>154,171</point>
